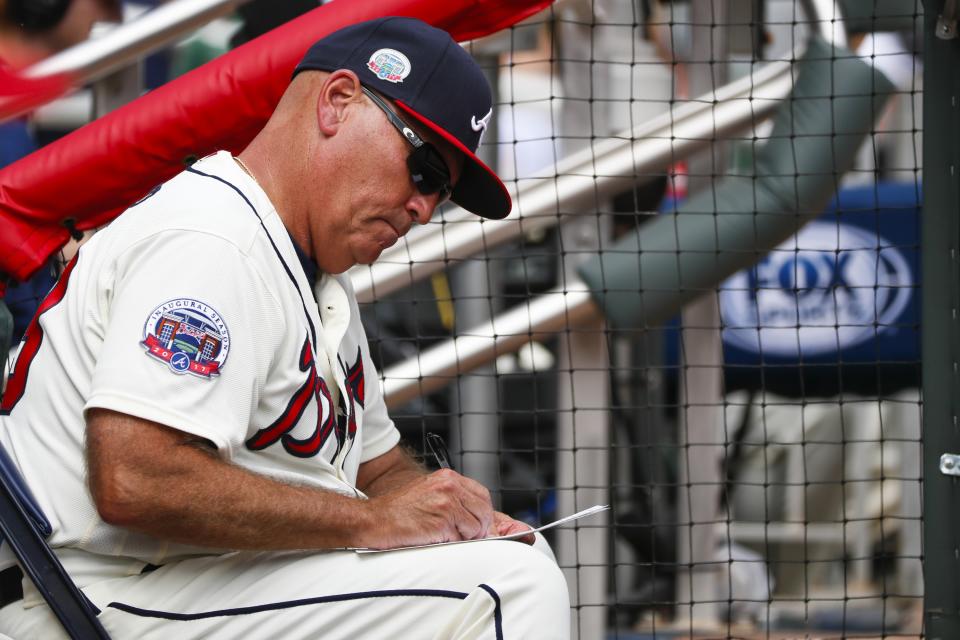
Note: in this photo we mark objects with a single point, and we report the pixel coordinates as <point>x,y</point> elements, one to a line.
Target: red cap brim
<point>479,190</point>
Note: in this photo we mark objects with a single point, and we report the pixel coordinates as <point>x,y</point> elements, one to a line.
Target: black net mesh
<point>759,444</point>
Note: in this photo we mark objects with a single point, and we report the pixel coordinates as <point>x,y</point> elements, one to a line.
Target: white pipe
<point>434,368</point>
<point>593,173</point>
<point>826,20</point>
<point>119,47</point>
<point>604,168</point>
<point>596,172</point>
<point>608,165</point>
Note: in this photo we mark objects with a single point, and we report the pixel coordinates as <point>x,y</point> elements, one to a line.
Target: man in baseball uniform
<point>195,408</point>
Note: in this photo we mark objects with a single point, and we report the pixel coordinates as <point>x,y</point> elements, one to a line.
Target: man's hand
<point>504,525</point>
<point>443,506</point>
<point>401,490</point>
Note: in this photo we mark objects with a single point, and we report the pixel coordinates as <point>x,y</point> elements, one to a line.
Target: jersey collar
<point>309,265</point>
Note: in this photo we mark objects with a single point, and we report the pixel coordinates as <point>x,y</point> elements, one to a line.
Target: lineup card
<point>513,536</point>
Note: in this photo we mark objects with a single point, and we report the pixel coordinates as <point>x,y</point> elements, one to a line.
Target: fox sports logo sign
<point>830,287</point>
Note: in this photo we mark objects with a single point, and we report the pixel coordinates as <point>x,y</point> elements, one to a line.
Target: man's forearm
<point>169,484</point>
<point>193,497</point>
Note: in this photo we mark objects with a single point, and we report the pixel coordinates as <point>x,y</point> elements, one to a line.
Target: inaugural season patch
<point>389,65</point>
<point>189,336</point>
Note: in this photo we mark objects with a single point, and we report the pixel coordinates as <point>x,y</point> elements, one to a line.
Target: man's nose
<point>421,206</point>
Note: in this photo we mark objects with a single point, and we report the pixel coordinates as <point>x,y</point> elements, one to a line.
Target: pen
<point>439,450</point>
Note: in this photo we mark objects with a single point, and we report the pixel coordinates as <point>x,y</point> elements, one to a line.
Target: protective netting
<point>746,398</point>
<point>760,447</point>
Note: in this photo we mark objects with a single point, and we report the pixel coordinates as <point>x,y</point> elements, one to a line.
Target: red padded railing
<point>90,176</point>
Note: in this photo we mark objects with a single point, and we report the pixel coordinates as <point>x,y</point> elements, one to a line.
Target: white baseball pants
<point>482,590</point>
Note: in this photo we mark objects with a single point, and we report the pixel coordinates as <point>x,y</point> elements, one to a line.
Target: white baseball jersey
<point>192,310</point>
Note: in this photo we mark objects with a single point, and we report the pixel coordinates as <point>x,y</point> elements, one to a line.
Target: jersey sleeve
<point>189,331</point>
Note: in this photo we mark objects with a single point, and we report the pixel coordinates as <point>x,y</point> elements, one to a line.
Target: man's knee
<point>528,589</point>
<point>531,568</point>
<point>540,544</point>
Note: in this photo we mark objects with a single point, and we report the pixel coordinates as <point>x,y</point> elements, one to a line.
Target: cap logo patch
<point>481,124</point>
<point>189,336</point>
<point>389,65</point>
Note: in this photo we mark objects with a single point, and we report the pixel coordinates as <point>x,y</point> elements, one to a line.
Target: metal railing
<point>127,43</point>
<point>435,367</point>
<point>576,182</point>
<point>121,47</point>
<point>607,167</point>
<point>600,171</point>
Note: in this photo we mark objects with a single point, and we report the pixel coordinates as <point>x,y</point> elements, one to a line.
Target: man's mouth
<point>389,239</point>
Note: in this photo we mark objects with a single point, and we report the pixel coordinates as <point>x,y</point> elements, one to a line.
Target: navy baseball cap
<point>430,77</point>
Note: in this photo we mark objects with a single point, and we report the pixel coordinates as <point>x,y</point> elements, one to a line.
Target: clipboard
<point>512,536</point>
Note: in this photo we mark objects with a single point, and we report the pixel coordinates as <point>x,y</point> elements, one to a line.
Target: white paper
<point>513,536</point>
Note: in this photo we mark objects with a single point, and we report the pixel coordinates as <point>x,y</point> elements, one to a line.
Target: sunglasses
<point>428,170</point>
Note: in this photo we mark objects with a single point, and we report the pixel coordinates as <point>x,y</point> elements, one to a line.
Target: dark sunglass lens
<point>429,171</point>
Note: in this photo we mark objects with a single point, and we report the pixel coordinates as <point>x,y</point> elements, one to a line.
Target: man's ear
<point>339,90</point>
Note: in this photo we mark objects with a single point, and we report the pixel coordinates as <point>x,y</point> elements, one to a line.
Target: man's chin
<point>370,256</point>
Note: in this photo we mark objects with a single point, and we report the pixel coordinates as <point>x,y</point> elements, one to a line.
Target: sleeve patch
<point>188,336</point>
